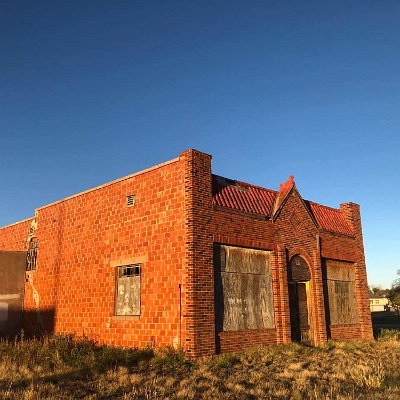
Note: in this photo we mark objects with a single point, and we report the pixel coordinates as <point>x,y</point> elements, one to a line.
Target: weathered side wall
<point>84,238</point>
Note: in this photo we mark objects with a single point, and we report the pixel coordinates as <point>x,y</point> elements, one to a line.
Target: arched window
<point>298,270</point>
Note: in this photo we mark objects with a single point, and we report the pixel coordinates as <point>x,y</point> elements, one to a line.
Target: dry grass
<point>63,368</point>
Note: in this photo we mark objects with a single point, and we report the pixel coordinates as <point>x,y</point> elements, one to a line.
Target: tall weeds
<point>67,367</point>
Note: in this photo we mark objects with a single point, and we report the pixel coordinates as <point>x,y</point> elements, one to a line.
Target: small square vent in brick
<point>130,200</point>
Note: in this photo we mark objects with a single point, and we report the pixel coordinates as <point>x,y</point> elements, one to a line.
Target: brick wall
<point>337,246</point>
<point>81,241</point>
<point>240,226</point>
<point>346,332</point>
<point>239,340</point>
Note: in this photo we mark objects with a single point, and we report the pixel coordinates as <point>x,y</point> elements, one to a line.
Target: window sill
<point>126,317</point>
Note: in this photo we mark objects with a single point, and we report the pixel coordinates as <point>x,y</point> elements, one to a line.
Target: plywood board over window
<point>127,301</point>
<point>340,292</point>
<point>243,289</point>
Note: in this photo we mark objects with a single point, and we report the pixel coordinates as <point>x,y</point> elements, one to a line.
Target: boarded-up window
<point>243,289</point>
<point>340,292</point>
<point>127,300</point>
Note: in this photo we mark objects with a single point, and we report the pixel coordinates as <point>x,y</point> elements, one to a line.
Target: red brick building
<point>174,255</point>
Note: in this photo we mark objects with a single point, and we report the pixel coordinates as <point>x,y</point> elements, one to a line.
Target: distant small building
<point>378,303</point>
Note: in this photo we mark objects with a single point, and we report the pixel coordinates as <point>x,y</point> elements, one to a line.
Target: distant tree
<point>394,296</point>
<point>385,292</point>
<point>375,289</point>
<point>379,291</point>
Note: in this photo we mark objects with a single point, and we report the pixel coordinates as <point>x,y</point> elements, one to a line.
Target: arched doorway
<point>299,277</point>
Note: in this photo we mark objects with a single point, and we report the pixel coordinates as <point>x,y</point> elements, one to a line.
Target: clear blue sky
<point>94,90</point>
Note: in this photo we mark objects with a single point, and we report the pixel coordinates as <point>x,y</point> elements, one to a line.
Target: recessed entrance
<point>299,294</point>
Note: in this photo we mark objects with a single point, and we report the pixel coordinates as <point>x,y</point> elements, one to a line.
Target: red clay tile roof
<point>330,219</point>
<point>242,196</point>
<point>248,198</point>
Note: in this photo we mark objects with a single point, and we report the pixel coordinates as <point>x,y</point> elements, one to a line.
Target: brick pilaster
<point>352,213</point>
<point>277,297</point>
<point>284,295</point>
<point>319,307</point>
<point>199,276</point>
